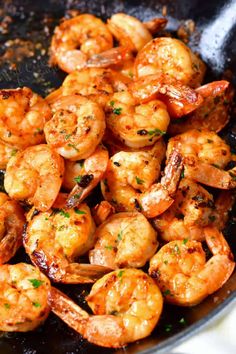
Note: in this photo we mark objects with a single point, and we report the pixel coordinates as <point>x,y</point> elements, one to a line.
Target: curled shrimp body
<point>23,114</point>
<point>97,84</point>
<point>24,294</point>
<point>192,210</point>
<point>129,31</point>
<point>76,128</point>
<point>128,173</point>
<point>85,31</point>
<point>130,178</point>
<point>6,152</point>
<point>171,57</point>
<point>126,304</point>
<point>213,112</point>
<point>181,270</point>
<point>54,239</point>
<point>136,125</point>
<point>12,222</point>
<point>35,175</point>
<point>124,240</point>
<point>205,156</point>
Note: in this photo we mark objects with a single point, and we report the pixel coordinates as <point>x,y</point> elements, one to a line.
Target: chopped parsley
<point>78,179</point>
<point>166,292</point>
<point>120,273</point>
<point>61,228</point>
<point>67,136</point>
<point>119,236</point>
<point>182,174</point>
<point>64,213</point>
<point>183,321</point>
<point>7,306</point>
<point>80,212</point>
<point>117,111</point>
<point>36,304</point>
<point>112,103</point>
<point>168,327</point>
<point>176,249</point>
<point>109,248</point>
<point>14,151</point>
<point>156,132</point>
<point>185,240</point>
<point>139,180</point>
<point>36,282</point>
<point>73,146</point>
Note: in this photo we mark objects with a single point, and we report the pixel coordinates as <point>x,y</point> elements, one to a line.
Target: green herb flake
<point>139,180</point>
<point>36,304</point>
<point>61,228</point>
<point>79,212</point>
<point>14,151</point>
<point>166,292</point>
<point>165,262</point>
<point>183,321</point>
<point>67,136</point>
<point>64,213</point>
<point>73,146</point>
<point>156,132</point>
<point>212,218</point>
<point>109,248</point>
<point>36,282</point>
<point>117,111</point>
<point>120,273</point>
<point>185,240</point>
<point>112,103</point>
<point>7,306</point>
<point>168,327</point>
<point>77,196</point>
<point>119,236</point>
<point>182,174</point>
<point>78,179</point>
<point>176,249</point>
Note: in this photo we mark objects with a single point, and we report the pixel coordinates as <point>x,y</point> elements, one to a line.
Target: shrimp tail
<point>9,245</point>
<point>76,273</point>
<point>156,24</point>
<point>110,57</point>
<point>172,172</point>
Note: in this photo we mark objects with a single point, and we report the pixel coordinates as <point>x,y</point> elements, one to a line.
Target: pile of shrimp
<point>106,127</point>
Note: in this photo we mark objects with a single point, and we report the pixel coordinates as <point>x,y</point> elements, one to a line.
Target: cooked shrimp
<point>126,303</point>
<point>130,178</point>
<point>179,99</point>
<point>54,239</point>
<point>124,240</point>
<point>23,114</point>
<point>212,114</point>
<point>97,84</point>
<point>156,24</point>
<point>181,270</point>
<point>171,57</point>
<point>91,173</point>
<point>76,128</point>
<point>35,176</point>
<point>102,211</point>
<point>129,31</point>
<point>6,152</point>
<point>86,32</point>
<point>192,210</point>
<point>24,292</point>
<point>12,222</point>
<point>205,155</point>
<point>136,125</point>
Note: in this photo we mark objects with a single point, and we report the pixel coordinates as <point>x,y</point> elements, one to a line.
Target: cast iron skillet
<point>33,21</point>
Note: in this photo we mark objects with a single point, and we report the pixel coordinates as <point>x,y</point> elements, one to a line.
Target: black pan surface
<point>25,63</point>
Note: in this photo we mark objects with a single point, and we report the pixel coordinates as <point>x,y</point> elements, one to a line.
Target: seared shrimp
<point>212,114</point>
<point>205,156</point>
<point>76,128</point>
<point>129,31</point>
<point>136,125</point>
<point>179,99</point>
<point>85,175</point>
<point>130,178</point>
<point>126,304</point>
<point>171,57</point>
<point>35,175</point>
<point>193,209</point>
<point>12,222</point>
<point>184,276</point>
<point>86,32</point>
<point>54,239</point>
<point>97,84</point>
<point>124,240</point>
<point>24,292</point>
<point>6,152</point>
<point>23,114</point>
